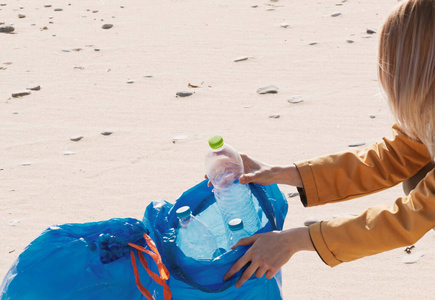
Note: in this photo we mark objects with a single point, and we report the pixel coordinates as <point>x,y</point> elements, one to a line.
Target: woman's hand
<point>264,174</point>
<point>269,252</point>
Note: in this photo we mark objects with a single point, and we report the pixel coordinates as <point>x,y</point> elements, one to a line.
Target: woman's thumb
<point>246,178</point>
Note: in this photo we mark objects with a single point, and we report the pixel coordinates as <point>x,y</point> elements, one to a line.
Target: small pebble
<point>412,258</point>
<point>79,68</point>
<point>20,94</point>
<point>179,138</point>
<point>295,99</point>
<point>241,58</point>
<point>370,31</point>
<point>148,76</point>
<point>13,223</point>
<point>313,43</point>
<point>107,26</point>
<point>356,144</point>
<point>21,16</point>
<point>47,5</point>
<point>184,94</point>
<point>294,194</point>
<point>76,138</point>
<point>372,116</point>
<point>311,220</point>
<point>270,89</point>
<point>274,116</point>
<point>349,41</point>
<point>336,14</point>
<point>195,86</point>
<point>97,49</point>
<point>7,29</point>
<point>130,81</point>
<point>284,25</point>
<point>58,9</point>
<point>35,87</point>
<point>107,132</point>
<point>254,6</point>
<point>68,153</point>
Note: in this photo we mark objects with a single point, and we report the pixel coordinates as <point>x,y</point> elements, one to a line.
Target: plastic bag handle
<point>158,278</point>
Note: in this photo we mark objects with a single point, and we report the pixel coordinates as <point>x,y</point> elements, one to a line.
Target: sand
<point>125,80</point>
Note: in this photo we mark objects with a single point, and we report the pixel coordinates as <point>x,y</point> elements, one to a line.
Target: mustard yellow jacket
<point>348,175</point>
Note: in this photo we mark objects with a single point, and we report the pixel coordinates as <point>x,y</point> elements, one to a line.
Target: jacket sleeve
<point>348,175</point>
<point>352,174</point>
<point>378,229</point>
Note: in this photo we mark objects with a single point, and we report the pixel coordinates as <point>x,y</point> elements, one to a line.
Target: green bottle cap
<point>216,142</point>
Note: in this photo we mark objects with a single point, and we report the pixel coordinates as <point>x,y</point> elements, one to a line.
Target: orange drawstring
<point>163,271</point>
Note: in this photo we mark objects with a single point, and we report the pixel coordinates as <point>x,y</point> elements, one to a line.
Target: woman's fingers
<point>260,272</point>
<point>246,275</point>
<point>270,274</point>
<point>238,265</point>
<point>269,252</point>
<point>244,259</point>
<point>244,179</point>
<point>209,182</point>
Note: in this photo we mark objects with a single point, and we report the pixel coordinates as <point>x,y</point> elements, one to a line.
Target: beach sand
<point>125,79</point>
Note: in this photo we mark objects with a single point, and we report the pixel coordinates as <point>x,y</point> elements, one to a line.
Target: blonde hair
<point>407,68</point>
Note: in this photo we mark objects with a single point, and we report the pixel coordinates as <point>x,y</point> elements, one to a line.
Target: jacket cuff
<point>320,245</point>
<point>303,196</point>
<point>310,190</point>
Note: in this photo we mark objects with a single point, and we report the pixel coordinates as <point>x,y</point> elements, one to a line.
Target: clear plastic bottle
<point>237,231</point>
<point>224,166</point>
<point>193,237</point>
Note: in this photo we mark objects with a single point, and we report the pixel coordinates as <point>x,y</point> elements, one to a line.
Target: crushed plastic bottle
<point>224,166</point>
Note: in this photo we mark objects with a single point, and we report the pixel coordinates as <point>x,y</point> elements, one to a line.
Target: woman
<point>407,75</point>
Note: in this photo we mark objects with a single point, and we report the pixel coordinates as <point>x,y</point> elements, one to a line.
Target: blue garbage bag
<point>82,261</point>
<point>203,279</point>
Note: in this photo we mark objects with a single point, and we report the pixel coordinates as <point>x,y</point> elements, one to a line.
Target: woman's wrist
<point>296,240</point>
<point>303,240</point>
<point>287,175</point>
